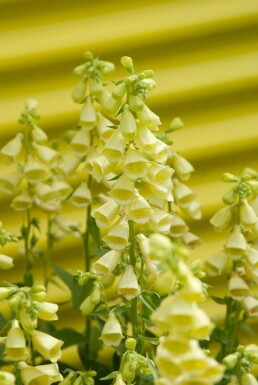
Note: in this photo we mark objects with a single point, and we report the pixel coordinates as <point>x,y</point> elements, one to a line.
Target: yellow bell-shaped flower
<point>182,167</point>
<point>100,167</point>
<point>15,346</point>
<point>127,125</point>
<point>46,154</point>
<point>49,347</point>
<point>215,265</point>
<point>117,236</point>
<point>128,285</point>
<point>139,210</point>
<point>88,114</point>
<point>10,182</point>
<point>112,332</point>
<point>67,165</point>
<point>238,288</point>
<point>236,242</point>
<point>39,375</point>
<point>22,202</point>
<point>38,135</point>
<point>47,311</point>
<point>160,220</point>
<point>148,118</point>
<point>147,140</point>
<point>12,150</point>
<point>104,127</point>
<point>247,214</point>
<point>34,171</point>
<point>178,226</point>
<point>107,263</point>
<point>45,192</point>
<point>81,196</point>
<point>114,147</point>
<point>106,213</point>
<point>81,142</point>
<point>222,219</point>
<point>123,190</point>
<point>135,165</point>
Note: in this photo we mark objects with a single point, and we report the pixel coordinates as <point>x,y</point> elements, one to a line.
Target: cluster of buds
<point>79,378</point>
<point>242,362</point>
<point>179,357</point>
<point>239,258</point>
<point>28,305</point>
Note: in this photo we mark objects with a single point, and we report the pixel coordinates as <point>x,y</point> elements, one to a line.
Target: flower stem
<point>28,278</point>
<point>134,301</point>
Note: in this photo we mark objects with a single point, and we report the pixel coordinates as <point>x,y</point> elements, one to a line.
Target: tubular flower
<point>107,263</point>
<point>106,213</point>
<point>112,333</point>
<point>117,237</point>
<point>128,285</point>
<point>48,346</point>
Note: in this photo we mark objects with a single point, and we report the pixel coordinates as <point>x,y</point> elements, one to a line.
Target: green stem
<point>134,301</point>
<point>231,326</point>
<point>47,255</point>
<point>28,278</point>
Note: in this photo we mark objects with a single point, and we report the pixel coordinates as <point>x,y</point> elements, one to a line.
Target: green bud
<point>253,184</point>
<point>231,360</point>
<point>130,343</point>
<point>88,55</point>
<point>127,63</point>
<point>175,125</point>
<point>229,178</point>
<point>229,197</point>
<point>147,74</point>
<point>30,104</point>
<point>79,70</point>
<point>128,366</point>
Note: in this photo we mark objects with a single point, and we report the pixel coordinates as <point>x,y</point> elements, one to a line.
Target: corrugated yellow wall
<point>204,54</point>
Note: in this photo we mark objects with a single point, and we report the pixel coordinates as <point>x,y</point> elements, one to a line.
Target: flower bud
<point>38,293</point>
<point>130,343</point>
<point>96,87</point>
<point>81,142</point>
<point>127,63</point>
<point>6,262</point>
<point>22,202</point>
<point>79,92</point>
<point>38,135</point>
<point>175,125</point>
<point>81,196</point>
<point>248,379</point>
<point>119,380</point>
<point>46,154</point>
<point>251,351</point>
<point>117,236</point>
<point>229,197</point>
<point>247,214</point>
<point>114,147</point>
<point>5,292</point>
<point>119,90</point>
<point>236,242</point>
<point>31,104</point>
<point>106,213</point>
<point>107,263</point>
<point>231,360</point>
<point>222,219</point>
<point>48,346</point>
<point>6,378</point>
<point>12,150</point>
<point>112,333</point>
<point>128,366</point>
<point>27,319</point>
<point>128,285</point>
<point>227,177</point>
<point>88,305</point>
<point>88,114</point>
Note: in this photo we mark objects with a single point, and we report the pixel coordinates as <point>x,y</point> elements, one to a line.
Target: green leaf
<point>150,299</point>
<point>66,277</point>
<point>110,376</point>
<point>33,241</point>
<point>2,321</point>
<point>248,329</point>
<point>150,340</point>
<point>94,342</point>
<point>35,223</point>
<point>220,301</point>
<point>152,367</point>
<point>79,293</point>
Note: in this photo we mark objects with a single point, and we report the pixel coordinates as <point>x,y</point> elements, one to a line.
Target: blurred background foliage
<point>204,54</point>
